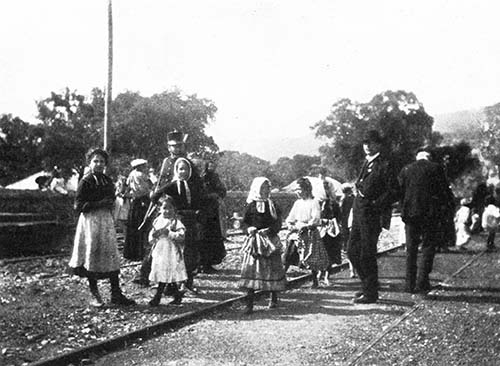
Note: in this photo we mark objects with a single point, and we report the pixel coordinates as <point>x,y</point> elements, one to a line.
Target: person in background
<point>346,202</point>
<point>478,204</point>
<point>212,250</point>
<point>95,250</point>
<point>462,224</point>
<point>122,204</point>
<point>330,230</point>
<point>58,183</point>
<point>262,268</point>
<point>167,237</point>
<point>376,189</point>
<point>138,189</point>
<point>152,176</point>
<point>424,195</point>
<point>305,218</point>
<point>490,219</point>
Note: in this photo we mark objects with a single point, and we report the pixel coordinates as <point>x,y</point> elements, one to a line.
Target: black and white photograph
<point>249,183</point>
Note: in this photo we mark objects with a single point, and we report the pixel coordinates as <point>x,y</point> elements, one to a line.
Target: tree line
<point>69,123</point>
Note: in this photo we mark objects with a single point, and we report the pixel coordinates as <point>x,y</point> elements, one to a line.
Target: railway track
<point>176,322</point>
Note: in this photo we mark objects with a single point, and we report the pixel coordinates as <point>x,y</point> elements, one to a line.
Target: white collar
<point>370,158</point>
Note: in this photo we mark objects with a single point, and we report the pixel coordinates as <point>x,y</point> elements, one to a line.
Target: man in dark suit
<point>376,190</point>
<point>424,192</point>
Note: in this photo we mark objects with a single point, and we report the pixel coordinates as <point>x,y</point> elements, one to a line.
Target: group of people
<point>186,237</point>
<point>172,226</point>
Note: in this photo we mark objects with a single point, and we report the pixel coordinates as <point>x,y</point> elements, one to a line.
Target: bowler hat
<point>372,136</point>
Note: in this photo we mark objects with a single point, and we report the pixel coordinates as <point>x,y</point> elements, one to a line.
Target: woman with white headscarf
<point>262,268</point>
<point>187,198</point>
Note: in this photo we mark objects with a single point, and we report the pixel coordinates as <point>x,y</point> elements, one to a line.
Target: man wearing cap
<point>138,189</point>
<point>424,193</point>
<point>376,189</point>
<point>177,148</point>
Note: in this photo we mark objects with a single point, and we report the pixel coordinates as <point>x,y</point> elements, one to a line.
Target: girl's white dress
<point>168,259</point>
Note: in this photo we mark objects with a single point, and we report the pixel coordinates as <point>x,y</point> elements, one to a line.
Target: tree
<point>142,124</point>
<point>399,117</point>
<point>491,133</point>
<point>72,124</point>
<point>19,149</point>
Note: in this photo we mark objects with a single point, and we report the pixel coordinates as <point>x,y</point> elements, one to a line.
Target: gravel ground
<point>458,325</point>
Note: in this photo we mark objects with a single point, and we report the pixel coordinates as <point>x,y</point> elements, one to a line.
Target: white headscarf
<point>254,196</point>
<point>183,181</point>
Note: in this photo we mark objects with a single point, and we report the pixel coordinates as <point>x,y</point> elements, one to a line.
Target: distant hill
<point>458,121</point>
<point>273,148</point>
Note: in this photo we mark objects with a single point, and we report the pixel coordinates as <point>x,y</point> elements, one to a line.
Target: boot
<point>117,296</point>
<point>315,283</point>
<point>189,284</point>
<point>273,300</point>
<point>155,301</point>
<point>97,302</point>
<point>249,307</point>
<point>177,297</point>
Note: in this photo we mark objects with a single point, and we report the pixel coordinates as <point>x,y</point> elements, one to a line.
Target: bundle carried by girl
<point>259,245</point>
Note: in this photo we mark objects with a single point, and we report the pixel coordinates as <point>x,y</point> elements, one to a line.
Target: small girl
<point>167,238</point>
<point>304,218</point>
<point>491,215</point>
<point>261,267</point>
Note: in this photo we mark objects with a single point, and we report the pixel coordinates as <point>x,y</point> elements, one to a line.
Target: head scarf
<point>254,196</point>
<point>176,168</point>
<point>183,181</point>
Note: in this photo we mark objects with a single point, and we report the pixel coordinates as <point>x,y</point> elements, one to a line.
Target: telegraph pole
<point>109,89</point>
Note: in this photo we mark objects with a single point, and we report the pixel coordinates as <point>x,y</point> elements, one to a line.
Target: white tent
<point>318,190</point>
<point>27,183</point>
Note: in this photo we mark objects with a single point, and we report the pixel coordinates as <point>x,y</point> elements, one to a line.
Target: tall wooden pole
<point>109,89</point>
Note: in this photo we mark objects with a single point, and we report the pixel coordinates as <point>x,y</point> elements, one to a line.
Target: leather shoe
<point>358,294</point>
<point>365,300</point>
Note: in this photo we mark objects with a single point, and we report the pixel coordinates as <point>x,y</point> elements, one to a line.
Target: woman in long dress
<point>262,268</point>
<point>95,250</point>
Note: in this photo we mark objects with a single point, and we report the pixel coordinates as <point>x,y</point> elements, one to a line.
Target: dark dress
<point>261,272</point>
<point>333,244</point>
<point>212,250</point>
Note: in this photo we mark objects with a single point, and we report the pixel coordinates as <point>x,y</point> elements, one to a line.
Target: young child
<point>167,237</point>
<point>491,215</point>
<point>304,218</point>
<point>262,268</point>
<point>462,224</point>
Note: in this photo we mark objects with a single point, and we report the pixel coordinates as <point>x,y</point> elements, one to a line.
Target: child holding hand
<point>167,237</point>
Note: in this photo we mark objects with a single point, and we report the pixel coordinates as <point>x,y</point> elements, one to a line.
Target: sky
<point>273,68</point>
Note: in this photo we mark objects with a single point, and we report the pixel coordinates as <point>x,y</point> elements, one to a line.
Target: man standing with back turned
<point>424,191</point>
<point>376,189</point>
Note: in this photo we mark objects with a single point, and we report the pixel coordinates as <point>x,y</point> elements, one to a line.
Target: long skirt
<point>333,246</point>
<point>135,240</point>
<point>95,251</point>
<point>315,255</point>
<point>191,240</point>
<point>212,249</point>
<point>263,273</point>
<point>168,262</point>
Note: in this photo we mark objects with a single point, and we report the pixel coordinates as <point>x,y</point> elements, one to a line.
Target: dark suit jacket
<point>377,184</point>
<point>424,190</point>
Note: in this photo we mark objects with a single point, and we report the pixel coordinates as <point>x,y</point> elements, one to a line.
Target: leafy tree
<point>398,115</point>
<point>71,124</point>
<point>491,133</point>
<point>19,149</point>
<point>141,124</point>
